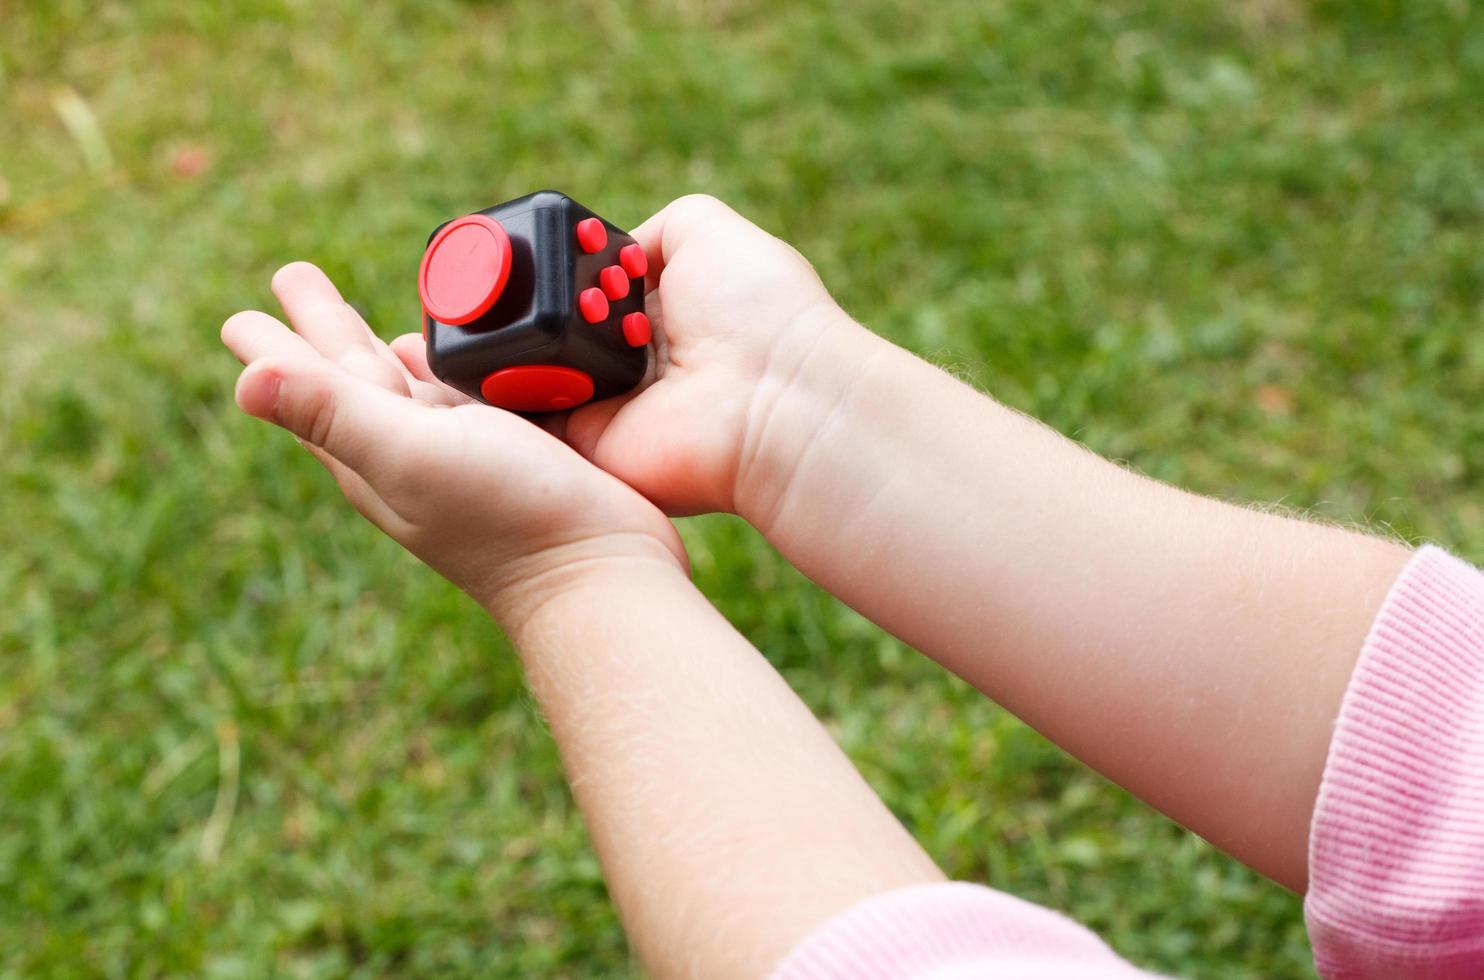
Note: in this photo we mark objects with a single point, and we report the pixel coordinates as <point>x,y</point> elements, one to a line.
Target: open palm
<point>491,502</point>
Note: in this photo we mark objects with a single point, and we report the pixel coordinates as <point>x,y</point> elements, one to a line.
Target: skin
<point>727,822</point>
<point>1193,651</point>
<point>1218,640</point>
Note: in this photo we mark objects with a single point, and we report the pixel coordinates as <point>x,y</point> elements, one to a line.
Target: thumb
<point>363,425</point>
<point>663,233</point>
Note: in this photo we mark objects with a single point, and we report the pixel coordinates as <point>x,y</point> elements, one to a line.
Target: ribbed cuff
<point>951,931</point>
<point>1396,850</point>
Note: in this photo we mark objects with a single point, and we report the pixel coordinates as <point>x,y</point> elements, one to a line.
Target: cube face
<point>536,301</point>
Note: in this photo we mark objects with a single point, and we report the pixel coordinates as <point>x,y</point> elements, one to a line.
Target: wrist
<point>547,578</point>
<point>814,372</point>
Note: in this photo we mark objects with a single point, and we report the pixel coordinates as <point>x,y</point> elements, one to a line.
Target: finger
<point>412,352</point>
<point>321,316</point>
<point>662,235</point>
<point>585,428</point>
<point>437,394</point>
<point>371,430</point>
<point>250,335</point>
<point>318,312</point>
<point>356,490</point>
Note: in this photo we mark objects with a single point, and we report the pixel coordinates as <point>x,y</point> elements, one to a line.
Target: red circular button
<point>614,282</point>
<point>636,329</point>
<point>593,304</point>
<point>464,269</point>
<point>537,388</point>
<point>634,261</point>
<point>591,235</point>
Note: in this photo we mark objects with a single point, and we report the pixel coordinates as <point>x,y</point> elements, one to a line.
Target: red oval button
<point>537,388</point>
<point>614,283</point>
<point>464,269</point>
<point>591,234</point>
<point>593,305</point>
<point>636,329</point>
<point>633,260</point>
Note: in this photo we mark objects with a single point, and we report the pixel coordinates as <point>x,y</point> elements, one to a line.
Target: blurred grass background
<point>1239,244</point>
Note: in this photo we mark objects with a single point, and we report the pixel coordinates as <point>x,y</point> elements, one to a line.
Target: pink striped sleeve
<point>1396,851</point>
<point>952,931</point>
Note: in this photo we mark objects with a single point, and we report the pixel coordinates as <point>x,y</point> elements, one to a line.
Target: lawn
<point>1239,245</point>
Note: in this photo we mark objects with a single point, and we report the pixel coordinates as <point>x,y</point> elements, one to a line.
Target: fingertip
<point>240,321</point>
<point>408,343</point>
<point>648,233</point>
<point>242,332</point>
<point>232,328</point>
<point>301,276</point>
<point>412,351</point>
<point>288,271</point>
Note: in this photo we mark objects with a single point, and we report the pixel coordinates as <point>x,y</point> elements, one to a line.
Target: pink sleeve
<point>952,931</point>
<point>1396,851</point>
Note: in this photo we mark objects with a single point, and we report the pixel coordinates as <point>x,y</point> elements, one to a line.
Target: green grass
<point>1238,244</point>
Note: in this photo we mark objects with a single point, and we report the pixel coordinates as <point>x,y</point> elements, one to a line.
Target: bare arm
<point>727,822</point>
<point>1193,651</point>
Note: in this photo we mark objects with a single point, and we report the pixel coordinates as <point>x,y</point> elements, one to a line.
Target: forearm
<point>727,822</point>
<point>1193,651</point>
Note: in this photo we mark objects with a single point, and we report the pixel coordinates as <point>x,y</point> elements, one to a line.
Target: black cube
<point>535,305</point>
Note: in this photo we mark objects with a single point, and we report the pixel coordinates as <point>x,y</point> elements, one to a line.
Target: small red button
<point>636,329</point>
<point>464,269</point>
<point>594,305</point>
<point>615,284</point>
<point>591,235</point>
<point>634,261</point>
<point>537,388</point>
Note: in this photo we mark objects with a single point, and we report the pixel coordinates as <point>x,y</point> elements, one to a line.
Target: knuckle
<point>699,205</point>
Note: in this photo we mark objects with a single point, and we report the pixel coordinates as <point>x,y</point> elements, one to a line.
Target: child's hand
<point>501,508</point>
<point>753,347</point>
